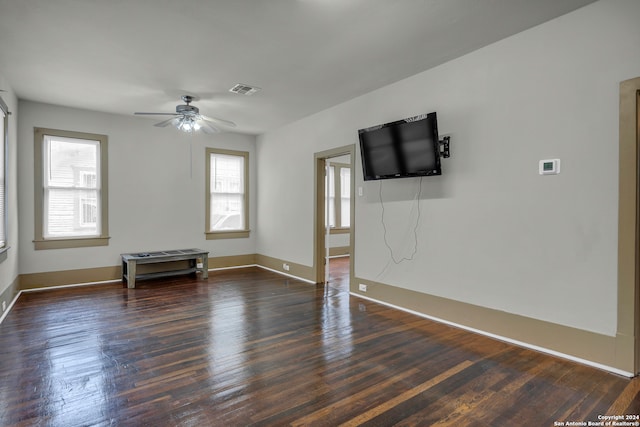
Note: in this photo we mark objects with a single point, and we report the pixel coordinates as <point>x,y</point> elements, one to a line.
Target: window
<point>227,188</point>
<point>330,218</point>
<point>339,182</point>
<point>345,197</point>
<point>4,125</point>
<point>71,187</point>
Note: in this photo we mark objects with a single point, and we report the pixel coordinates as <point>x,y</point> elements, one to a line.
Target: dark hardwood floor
<point>251,347</point>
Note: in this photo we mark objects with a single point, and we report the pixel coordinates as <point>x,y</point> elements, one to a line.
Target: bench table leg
<point>205,266</point>
<point>131,274</point>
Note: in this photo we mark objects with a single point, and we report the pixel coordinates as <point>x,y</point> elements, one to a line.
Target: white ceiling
<point>122,56</point>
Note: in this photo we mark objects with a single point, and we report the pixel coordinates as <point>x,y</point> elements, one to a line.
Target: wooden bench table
<point>130,262</point>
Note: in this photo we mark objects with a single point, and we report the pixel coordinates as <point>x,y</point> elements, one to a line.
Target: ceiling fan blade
<point>165,123</point>
<point>218,121</point>
<point>207,127</point>
<point>154,114</point>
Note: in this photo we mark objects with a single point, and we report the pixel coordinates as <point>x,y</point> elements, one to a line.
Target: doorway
<point>333,218</point>
<point>337,207</point>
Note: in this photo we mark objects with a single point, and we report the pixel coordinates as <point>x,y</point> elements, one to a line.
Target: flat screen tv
<point>401,149</point>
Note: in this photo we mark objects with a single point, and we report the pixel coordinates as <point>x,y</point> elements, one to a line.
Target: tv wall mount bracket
<point>444,147</point>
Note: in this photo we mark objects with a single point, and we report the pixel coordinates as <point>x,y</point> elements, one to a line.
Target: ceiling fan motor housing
<point>187,109</point>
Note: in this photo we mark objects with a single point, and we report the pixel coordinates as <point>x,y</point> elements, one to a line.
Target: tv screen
<point>401,149</point>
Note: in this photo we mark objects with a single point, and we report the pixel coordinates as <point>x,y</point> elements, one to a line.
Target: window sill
<point>214,235</point>
<point>71,243</point>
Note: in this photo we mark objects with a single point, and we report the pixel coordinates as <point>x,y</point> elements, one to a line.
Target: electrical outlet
<point>362,287</point>
<point>285,266</point>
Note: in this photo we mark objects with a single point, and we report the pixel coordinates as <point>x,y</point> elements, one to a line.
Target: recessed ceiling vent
<point>244,89</point>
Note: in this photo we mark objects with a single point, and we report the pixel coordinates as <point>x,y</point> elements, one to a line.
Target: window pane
<point>227,188</point>
<point>345,212</point>
<point>227,212</point>
<point>71,162</point>
<point>345,182</point>
<point>332,185</point>
<point>332,212</point>
<point>330,219</point>
<point>71,212</point>
<point>345,193</point>
<point>227,174</point>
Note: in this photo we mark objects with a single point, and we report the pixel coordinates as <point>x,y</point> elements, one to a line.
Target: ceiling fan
<point>187,118</point>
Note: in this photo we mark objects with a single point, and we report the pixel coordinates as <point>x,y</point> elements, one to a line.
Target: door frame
<point>628,330</point>
<point>319,211</point>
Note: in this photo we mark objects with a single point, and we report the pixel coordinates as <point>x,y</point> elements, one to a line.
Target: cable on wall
<point>415,228</point>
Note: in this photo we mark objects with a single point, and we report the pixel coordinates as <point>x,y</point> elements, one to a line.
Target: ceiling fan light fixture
<point>188,124</point>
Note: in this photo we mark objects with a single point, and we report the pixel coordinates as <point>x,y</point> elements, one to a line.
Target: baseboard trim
<point>339,251</point>
<point>594,349</point>
<point>10,294</point>
<point>110,274</point>
<point>69,277</point>
<point>233,267</point>
<point>503,338</point>
<point>10,306</point>
<point>298,271</point>
<point>232,261</point>
<point>287,274</point>
<point>70,285</point>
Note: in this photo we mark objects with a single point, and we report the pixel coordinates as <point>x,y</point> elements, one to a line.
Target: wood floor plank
<point>627,402</point>
<point>251,347</point>
<point>374,412</point>
<point>322,415</point>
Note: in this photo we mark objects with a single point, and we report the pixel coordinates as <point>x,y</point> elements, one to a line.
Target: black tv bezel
<point>436,148</point>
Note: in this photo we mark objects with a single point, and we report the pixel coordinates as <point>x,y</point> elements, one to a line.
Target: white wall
<point>156,188</point>
<point>492,232</point>
<point>9,268</point>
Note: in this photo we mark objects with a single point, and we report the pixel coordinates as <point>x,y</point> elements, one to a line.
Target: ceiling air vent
<point>243,89</point>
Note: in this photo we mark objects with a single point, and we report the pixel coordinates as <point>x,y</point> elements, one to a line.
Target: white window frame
<point>209,193</point>
<point>102,201</point>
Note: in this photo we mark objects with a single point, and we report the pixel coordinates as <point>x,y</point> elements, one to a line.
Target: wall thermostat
<point>549,167</point>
